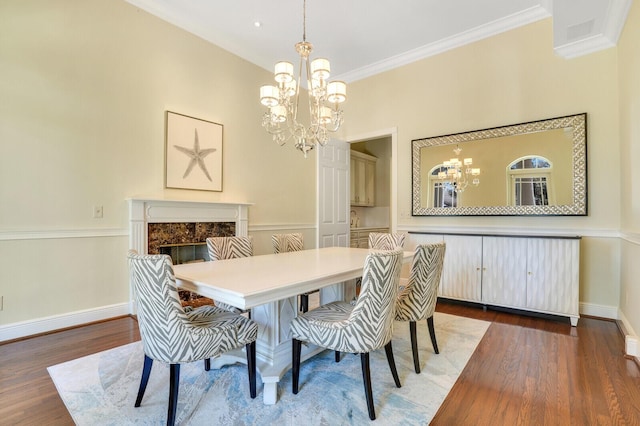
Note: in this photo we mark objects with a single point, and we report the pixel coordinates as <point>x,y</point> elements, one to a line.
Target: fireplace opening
<point>185,253</point>
<point>185,242</point>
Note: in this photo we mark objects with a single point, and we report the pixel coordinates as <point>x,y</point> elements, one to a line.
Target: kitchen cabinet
<point>363,179</point>
<point>360,236</point>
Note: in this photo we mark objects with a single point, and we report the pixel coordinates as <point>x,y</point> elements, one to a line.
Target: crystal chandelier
<point>459,173</point>
<point>325,97</point>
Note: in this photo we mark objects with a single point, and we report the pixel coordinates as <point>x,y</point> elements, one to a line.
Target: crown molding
<point>498,26</point>
<point>612,28</point>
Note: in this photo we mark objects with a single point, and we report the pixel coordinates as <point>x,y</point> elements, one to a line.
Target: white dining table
<point>269,286</point>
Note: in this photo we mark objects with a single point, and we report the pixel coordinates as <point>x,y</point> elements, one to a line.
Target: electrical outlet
<point>97,212</point>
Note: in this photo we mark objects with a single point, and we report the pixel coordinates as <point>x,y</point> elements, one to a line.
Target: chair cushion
<point>212,316</point>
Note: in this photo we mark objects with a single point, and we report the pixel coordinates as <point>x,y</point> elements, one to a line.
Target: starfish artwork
<point>197,156</point>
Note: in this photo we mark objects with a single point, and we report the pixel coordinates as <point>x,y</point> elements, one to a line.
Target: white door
<point>333,209</point>
<point>333,194</point>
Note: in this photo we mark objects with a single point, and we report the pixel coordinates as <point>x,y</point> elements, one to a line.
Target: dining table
<point>268,285</point>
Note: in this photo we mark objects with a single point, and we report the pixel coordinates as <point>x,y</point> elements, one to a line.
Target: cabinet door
<point>369,194</point>
<point>462,268</point>
<point>353,177</point>
<point>353,239</point>
<point>504,271</point>
<point>553,275</point>
<point>360,181</point>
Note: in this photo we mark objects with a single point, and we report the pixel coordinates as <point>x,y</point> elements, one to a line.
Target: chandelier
<point>459,174</point>
<point>282,100</point>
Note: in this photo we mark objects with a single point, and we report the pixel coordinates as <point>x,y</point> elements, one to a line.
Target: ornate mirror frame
<point>575,124</point>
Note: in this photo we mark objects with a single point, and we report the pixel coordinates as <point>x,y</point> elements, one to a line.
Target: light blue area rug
<point>101,389</point>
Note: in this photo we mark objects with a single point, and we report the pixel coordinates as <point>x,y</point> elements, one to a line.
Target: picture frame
<point>193,153</point>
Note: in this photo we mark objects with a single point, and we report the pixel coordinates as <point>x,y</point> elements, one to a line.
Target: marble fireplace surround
<point>144,210</point>
<point>180,214</point>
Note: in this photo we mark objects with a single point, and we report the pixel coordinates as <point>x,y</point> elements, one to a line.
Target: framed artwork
<point>193,153</point>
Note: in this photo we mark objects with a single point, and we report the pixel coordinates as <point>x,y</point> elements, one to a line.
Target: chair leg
<point>295,364</point>
<point>337,356</point>
<point>251,366</point>
<point>146,371</point>
<point>432,332</point>
<point>414,346</point>
<point>392,363</point>
<point>366,378</point>
<point>174,383</point>
<point>304,303</point>
<point>207,364</point>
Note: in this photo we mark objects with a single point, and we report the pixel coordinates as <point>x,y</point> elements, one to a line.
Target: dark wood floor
<point>526,370</point>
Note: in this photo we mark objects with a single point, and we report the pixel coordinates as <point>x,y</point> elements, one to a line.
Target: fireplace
<point>180,228</point>
<point>184,241</point>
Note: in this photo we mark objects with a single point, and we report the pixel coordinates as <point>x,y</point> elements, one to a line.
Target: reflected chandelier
<point>459,173</point>
<point>325,115</point>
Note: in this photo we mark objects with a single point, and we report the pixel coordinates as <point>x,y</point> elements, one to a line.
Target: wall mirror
<point>529,169</point>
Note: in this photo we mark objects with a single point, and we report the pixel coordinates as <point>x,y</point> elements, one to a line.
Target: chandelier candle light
<point>459,173</point>
<point>325,97</point>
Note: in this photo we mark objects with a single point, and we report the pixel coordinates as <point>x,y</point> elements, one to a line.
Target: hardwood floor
<point>526,370</point>
<point>536,371</point>
<point>27,394</point>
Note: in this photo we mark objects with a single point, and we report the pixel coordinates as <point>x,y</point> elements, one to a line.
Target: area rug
<point>100,389</point>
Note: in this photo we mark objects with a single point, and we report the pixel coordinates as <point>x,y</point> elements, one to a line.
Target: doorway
<point>381,144</point>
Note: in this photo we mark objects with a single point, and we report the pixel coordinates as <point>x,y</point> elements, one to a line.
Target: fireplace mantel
<point>145,210</point>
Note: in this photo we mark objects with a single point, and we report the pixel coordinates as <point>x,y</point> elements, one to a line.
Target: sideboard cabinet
<point>531,273</point>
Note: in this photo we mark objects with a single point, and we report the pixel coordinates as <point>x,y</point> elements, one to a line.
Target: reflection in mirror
<point>534,168</point>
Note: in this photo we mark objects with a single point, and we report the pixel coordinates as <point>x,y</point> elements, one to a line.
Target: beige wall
<point>83,90</point>
<point>509,78</point>
<point>84,86</point>
<point>629,70</point>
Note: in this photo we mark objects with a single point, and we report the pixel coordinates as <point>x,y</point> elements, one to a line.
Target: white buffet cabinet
<point>532,273</point>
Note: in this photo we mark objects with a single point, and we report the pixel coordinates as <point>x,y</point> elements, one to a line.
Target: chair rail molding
<point>45,234</point>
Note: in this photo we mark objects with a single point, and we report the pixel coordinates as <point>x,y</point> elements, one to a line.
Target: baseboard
<point>631,342</point>
<point>57,322</point>
<point>601,311</point>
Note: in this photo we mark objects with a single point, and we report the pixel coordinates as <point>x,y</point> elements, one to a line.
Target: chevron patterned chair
<point>417,300</point>
<point>175,336</point>
<point>360,328</point>
<point>222,248</point>
<point>385,241</point>
<point>284,243</point>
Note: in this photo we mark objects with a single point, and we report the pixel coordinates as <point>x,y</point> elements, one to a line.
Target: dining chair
<point>385,241</point>
<point>360,328</point>
<point>223,248</point>
<point>174,336</point>
<point>381,241</point>
<point>417,300</point>
<point>284,243</point>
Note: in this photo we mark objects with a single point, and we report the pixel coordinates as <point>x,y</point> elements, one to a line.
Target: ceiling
<point>366,37</point>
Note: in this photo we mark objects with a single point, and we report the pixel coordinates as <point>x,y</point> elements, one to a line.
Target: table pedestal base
<point>273,346</point>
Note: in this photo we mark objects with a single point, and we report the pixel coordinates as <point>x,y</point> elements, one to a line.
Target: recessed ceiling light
<point>257,24</point>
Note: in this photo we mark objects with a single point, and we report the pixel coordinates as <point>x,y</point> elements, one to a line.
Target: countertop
<point>368,228</point>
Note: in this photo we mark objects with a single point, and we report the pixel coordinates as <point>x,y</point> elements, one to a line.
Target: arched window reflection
<point>530,181</point>
<point>442,193</point>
